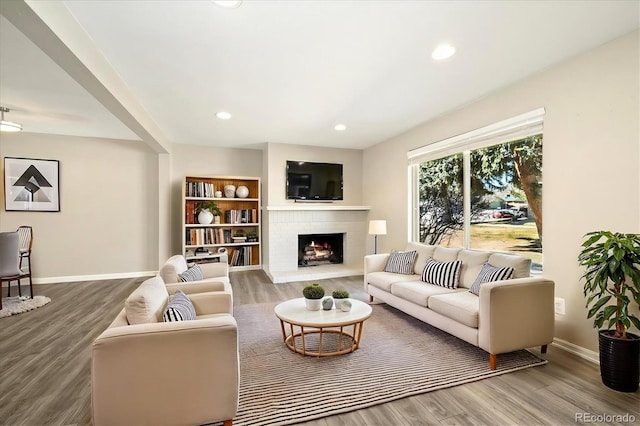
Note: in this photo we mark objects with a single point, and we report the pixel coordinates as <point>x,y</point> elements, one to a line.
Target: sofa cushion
<point>472,262</point>
<point>146,303</point>
<point>401,262</point>
<point>490,273</point>
<point>446,254</point>
<point>424,252</point>
<point>418,292</point>
<point>194,273</point>
<point>444,274</point>
<point>462,307</point>
<point>179,308</point>
<point>521,265</point>
<point>383,280</point>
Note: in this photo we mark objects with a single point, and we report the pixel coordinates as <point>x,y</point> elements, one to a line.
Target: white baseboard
<point>76,278</point>
<point>583,353</point>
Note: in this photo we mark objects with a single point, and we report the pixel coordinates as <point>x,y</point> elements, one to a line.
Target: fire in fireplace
<point>320,249</point>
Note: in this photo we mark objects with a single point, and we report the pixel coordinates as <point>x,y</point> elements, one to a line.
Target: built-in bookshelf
<point>235,232</point>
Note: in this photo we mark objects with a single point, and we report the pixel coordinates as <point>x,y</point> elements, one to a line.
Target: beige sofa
<point>148,372</point>
<point>507,315</point>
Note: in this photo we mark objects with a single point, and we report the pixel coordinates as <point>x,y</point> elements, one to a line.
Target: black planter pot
<point>619,361</point>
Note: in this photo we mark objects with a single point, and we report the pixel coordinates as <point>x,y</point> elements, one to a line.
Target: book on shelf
<point>241,256</point>
<point>237,216</point>
<point>200,189</point>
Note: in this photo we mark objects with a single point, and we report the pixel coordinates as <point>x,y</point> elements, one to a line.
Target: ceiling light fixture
<point>340,127</point>
<point>228,4</point>
<point>223,115</point>
<point>443,51</point>
<point>8,126</point>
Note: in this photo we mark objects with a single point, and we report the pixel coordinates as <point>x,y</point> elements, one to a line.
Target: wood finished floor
<point>45,374</point>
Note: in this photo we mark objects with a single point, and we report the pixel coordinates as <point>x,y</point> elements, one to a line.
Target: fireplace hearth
<point>320,249</point>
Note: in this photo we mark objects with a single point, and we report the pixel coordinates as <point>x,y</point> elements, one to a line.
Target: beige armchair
<point>148,372</point>
<point>216,273</point>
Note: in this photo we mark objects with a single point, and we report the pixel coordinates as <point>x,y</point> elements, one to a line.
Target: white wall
<point>108,221</point>
<point>591,157</point>
<point>278,154</point>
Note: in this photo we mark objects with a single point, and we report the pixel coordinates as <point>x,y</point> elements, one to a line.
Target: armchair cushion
<point>146,303</point>
<point>179,308</point>
<point>194,273</point>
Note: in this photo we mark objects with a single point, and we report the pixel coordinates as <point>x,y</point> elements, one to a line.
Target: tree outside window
<point>505,199</point>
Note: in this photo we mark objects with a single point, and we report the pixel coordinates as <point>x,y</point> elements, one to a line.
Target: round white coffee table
<point>293,313</point>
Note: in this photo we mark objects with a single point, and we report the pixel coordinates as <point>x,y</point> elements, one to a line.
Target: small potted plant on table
<point>340,296</point>
<point>313,295</point>
<point>613,275</point>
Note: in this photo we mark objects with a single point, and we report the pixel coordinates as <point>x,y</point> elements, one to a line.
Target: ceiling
<point>287,71</point>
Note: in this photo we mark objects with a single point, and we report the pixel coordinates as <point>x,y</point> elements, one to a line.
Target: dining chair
<point>9,261</point>
<point>25,241</point>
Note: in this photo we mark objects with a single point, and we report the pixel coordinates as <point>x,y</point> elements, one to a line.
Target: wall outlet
<point>559,305</point>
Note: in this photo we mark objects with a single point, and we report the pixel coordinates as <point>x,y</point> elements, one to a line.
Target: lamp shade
<point>377,227</point>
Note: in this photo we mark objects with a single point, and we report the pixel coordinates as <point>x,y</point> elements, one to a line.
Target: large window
<point>487,195</point>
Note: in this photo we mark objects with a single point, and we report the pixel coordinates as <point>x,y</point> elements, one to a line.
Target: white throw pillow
<point>146,303</point>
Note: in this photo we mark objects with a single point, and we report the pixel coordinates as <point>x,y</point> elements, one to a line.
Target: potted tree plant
<point>339,296</point>
<point>313,295</point>
<point>207,211</point>
<point>613,275</point>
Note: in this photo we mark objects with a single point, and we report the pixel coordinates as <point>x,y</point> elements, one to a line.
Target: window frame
<point>511,129</point>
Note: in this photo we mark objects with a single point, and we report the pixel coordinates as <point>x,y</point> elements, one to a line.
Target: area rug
<point>399,356</point>
<point>17,305</point>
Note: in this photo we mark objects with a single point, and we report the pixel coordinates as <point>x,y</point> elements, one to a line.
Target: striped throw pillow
<point>401,262</point>
<point>194,273</point>
<point>444,274</point>
<point>490,273</point>
<point>179,309</point>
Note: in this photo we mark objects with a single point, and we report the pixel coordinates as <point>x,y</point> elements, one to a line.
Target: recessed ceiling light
<point>443,51</point>
<point>340,127</point>
<point>223,115</point>
<point>228,4</point>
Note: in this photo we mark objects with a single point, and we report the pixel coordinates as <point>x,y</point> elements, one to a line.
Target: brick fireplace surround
<point>284,223</point>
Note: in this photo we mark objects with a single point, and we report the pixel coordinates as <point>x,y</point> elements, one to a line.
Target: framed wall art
<point>31,185</point>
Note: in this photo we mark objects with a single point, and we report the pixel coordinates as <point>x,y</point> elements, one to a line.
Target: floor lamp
<point>377,227</point>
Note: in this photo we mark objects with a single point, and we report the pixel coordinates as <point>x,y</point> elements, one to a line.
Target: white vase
<point>242,191</point>
<point>218,194</point>
<point>205,217</point>
<point>230,191</point>
<point>313,304</point>
<point>338,303</point>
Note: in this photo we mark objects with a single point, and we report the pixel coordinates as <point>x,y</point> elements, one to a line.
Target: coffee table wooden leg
<point>284,335</point>
<point>293,337</point>
<point>340,340</point>
<point>357,342</point>
<point>304,351</point>
<point>320,346</point>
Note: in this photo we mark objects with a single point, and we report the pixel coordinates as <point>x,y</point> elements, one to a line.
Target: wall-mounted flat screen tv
<point>314,181</point>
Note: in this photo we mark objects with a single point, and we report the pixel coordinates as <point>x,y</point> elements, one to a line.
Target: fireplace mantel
<point>317,207</point>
